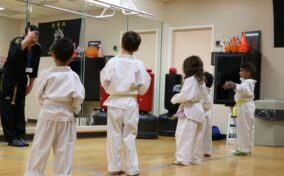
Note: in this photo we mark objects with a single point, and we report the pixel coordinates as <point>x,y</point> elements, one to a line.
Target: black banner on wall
<point>278,9</point>
<point>52,31</point>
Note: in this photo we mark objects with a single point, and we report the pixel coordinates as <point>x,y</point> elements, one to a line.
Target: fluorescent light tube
<point>101,4</point>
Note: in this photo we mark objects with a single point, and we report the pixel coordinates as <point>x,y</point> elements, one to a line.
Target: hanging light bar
<point>126,12</point>
<point>43,4</point>
<point>124,9</point>
<point>69,11</point>
<point>98,3</point>
<point>104,12</point>
<point>104,15</point>
<point>106,5</point>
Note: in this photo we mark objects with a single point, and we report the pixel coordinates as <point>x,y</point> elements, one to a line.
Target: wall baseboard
<point>82,131</point>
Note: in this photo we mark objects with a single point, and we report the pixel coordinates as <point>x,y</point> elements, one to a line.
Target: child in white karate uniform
<point>207,141</point>
<point>245,109</point>
<point>60,93</point>
<point>190,127</point>
<point>123,78</point>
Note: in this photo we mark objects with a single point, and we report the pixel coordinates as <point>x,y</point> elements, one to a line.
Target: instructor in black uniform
<point>17,80</point>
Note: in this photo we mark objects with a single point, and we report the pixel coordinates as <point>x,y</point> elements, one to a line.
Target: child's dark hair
<point>249,67</point>
<point>131,41</point>
<point>208,78</point>
<point>63,49</point>
<point>193,65</point>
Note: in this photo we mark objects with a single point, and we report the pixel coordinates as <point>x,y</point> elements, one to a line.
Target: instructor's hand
<point>32,36</point>
<point>28,89</point>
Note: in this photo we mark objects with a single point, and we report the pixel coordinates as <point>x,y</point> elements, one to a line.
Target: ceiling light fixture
<point>2,8</point>
<point>98,3</point>
<point>69,11</point>
<point>133,10</point>
<point>125,10</point>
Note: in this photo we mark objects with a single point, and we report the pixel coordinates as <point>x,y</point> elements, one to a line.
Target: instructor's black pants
<point>12,105</point>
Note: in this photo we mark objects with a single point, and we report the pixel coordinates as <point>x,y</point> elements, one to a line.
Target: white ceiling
<point>16,9</point>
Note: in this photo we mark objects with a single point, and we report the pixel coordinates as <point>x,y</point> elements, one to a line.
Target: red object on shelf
<point>172,70</point>
<point>146,101</point>
<point>103,97</point>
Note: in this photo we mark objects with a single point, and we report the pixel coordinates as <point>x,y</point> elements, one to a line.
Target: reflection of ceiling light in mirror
<point>106,4</point>
<point>69,11</point>
<point>115,2</point>
<point>98,3</point>
<point>2,8</point>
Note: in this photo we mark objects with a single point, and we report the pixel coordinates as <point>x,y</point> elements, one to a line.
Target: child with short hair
<point>190,127</point>
<point>207,141</point>
<point>60,93</point>
<point>245,108</point>
<point>123,78</point>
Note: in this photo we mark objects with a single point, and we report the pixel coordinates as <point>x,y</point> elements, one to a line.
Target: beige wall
<point>231,18</point>
<point>192,41</point>
<point>9,29</point>
<point>155,7</point>
<point>147,50</point>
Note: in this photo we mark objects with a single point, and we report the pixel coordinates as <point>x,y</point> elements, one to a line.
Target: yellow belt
<point>235,108</point>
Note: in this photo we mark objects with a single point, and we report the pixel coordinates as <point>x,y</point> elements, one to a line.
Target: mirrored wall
<point>109,34</point>
<point>106,32</point>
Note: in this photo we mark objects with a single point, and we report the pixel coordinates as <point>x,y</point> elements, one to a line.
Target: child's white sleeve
<point>106,74</point>
<point>189,92</point>
<point>143,79</point>
<point>40,84</point>
<point>207,104</point>
<point>78,96</point>
<point>243,88</point>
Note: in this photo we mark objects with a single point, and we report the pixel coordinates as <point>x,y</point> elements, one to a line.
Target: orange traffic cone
<point>234,47</point>
<point>244,47</point>
<point>227,46</point>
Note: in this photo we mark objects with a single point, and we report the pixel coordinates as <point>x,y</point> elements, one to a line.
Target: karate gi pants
<point>60,136</point>
<point>245,126</point>
<point>207,141</point>
<point>122,127</point>
<point>189,140</point>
